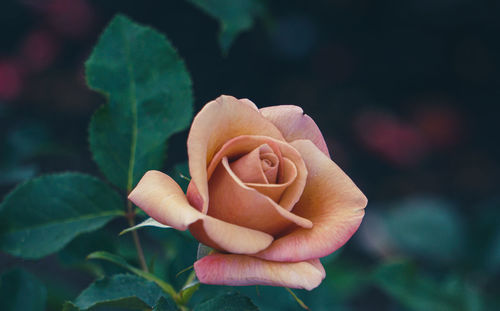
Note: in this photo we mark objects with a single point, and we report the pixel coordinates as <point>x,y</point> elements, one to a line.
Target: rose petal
<point>294,124</point>
<point>275,191</point>
<point>244,144</point>
<point>330,200</point>
<point>215,124</point>
<point>270,164</point>
<point>241,270</point>
<point>249,168</point>
<point>232,201</point>
<point>162,199</point>
<point>228,237</point>
<point>249,103</point>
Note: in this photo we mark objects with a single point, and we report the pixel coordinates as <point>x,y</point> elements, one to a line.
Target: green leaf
<point>42,215</point>
<point>124,264</point>
<point>19,290</point>
<point>427,227</point>
<point>121,290</point>
<point>150,98</point>
<point>234,16</point>
<point>164,304</point>
<point>231,301</point>
<point>190,287</point>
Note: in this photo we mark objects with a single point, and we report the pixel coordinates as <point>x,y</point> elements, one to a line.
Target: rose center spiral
<point>258,166</point>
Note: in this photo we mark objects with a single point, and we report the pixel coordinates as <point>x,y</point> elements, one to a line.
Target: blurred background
<point>405,93</point>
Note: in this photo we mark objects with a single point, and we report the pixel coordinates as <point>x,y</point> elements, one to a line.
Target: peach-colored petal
<point>270,164</point>
<point>249,103</point>
<point>294,124</point>
<point>241,270</point>
<point>228,237</point>
<point>218,122</point>
<point>249,168</point>
<point>275,191</point>
<point>162,199</point>
<point>233,202</point>
<point>330,200</point>
<point>245,143</point>
<point>242,145</point>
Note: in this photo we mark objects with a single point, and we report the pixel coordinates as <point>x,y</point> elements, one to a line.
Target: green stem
<point>299,301</point>
<point>135,235</point>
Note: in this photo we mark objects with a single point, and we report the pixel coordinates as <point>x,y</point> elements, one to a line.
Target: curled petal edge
<point>242,270</point>
<point>161,198</point>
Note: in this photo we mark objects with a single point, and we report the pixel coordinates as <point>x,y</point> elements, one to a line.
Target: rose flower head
<point>264,194</point>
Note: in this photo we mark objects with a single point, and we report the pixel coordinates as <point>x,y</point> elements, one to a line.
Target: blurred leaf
<point>19,290</point>
<point>69,306</point>
<point>150,98</point>
<point>403,282</point>
<point>231,301</point>
<point>164,304</point>
<point>75,253</point>
<point>148,222</point>
<point>427,227</point>
<point>234,16</point>
<point>493,258</point>
<point>346,279</point>
<point>41,216</point>
<point>121,290</point>
<point>124,264</point>
<point>16,173</point>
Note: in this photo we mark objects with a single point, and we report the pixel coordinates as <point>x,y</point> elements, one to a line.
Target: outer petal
<point>241,270</point>
<point>330,200</point>
<point>215,124</point>
<point>294,124</point>
<point>162,199</point>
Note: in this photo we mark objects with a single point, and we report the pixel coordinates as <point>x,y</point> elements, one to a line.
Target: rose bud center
<point>260,166</point>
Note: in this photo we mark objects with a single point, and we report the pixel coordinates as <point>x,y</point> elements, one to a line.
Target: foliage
<point>150,98</point>
<point>42,215</point>
<point>420,254</point>
<point>235,16</point>
<point>19,290</point>
<point>227,302</point>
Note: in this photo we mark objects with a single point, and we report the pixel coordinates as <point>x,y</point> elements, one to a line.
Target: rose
<point>264,193</point>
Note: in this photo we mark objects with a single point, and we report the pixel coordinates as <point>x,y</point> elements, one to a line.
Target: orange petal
<point>294,124</point>
<point>241,270</point>
<point>162,199</point>
<point>275,191</point>
<point>249,168</point>
<point>232,201</point>
<point>270,164</point>
<point>244,144</point>
<point>218,122</point>
<point>330,200</point>
<point>228,237</point>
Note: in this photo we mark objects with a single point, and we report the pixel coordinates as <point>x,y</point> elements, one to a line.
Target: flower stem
<point>299,301</point>
<point>137,242</point>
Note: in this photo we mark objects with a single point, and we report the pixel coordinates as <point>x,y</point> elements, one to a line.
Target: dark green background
<point>405,93</point>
